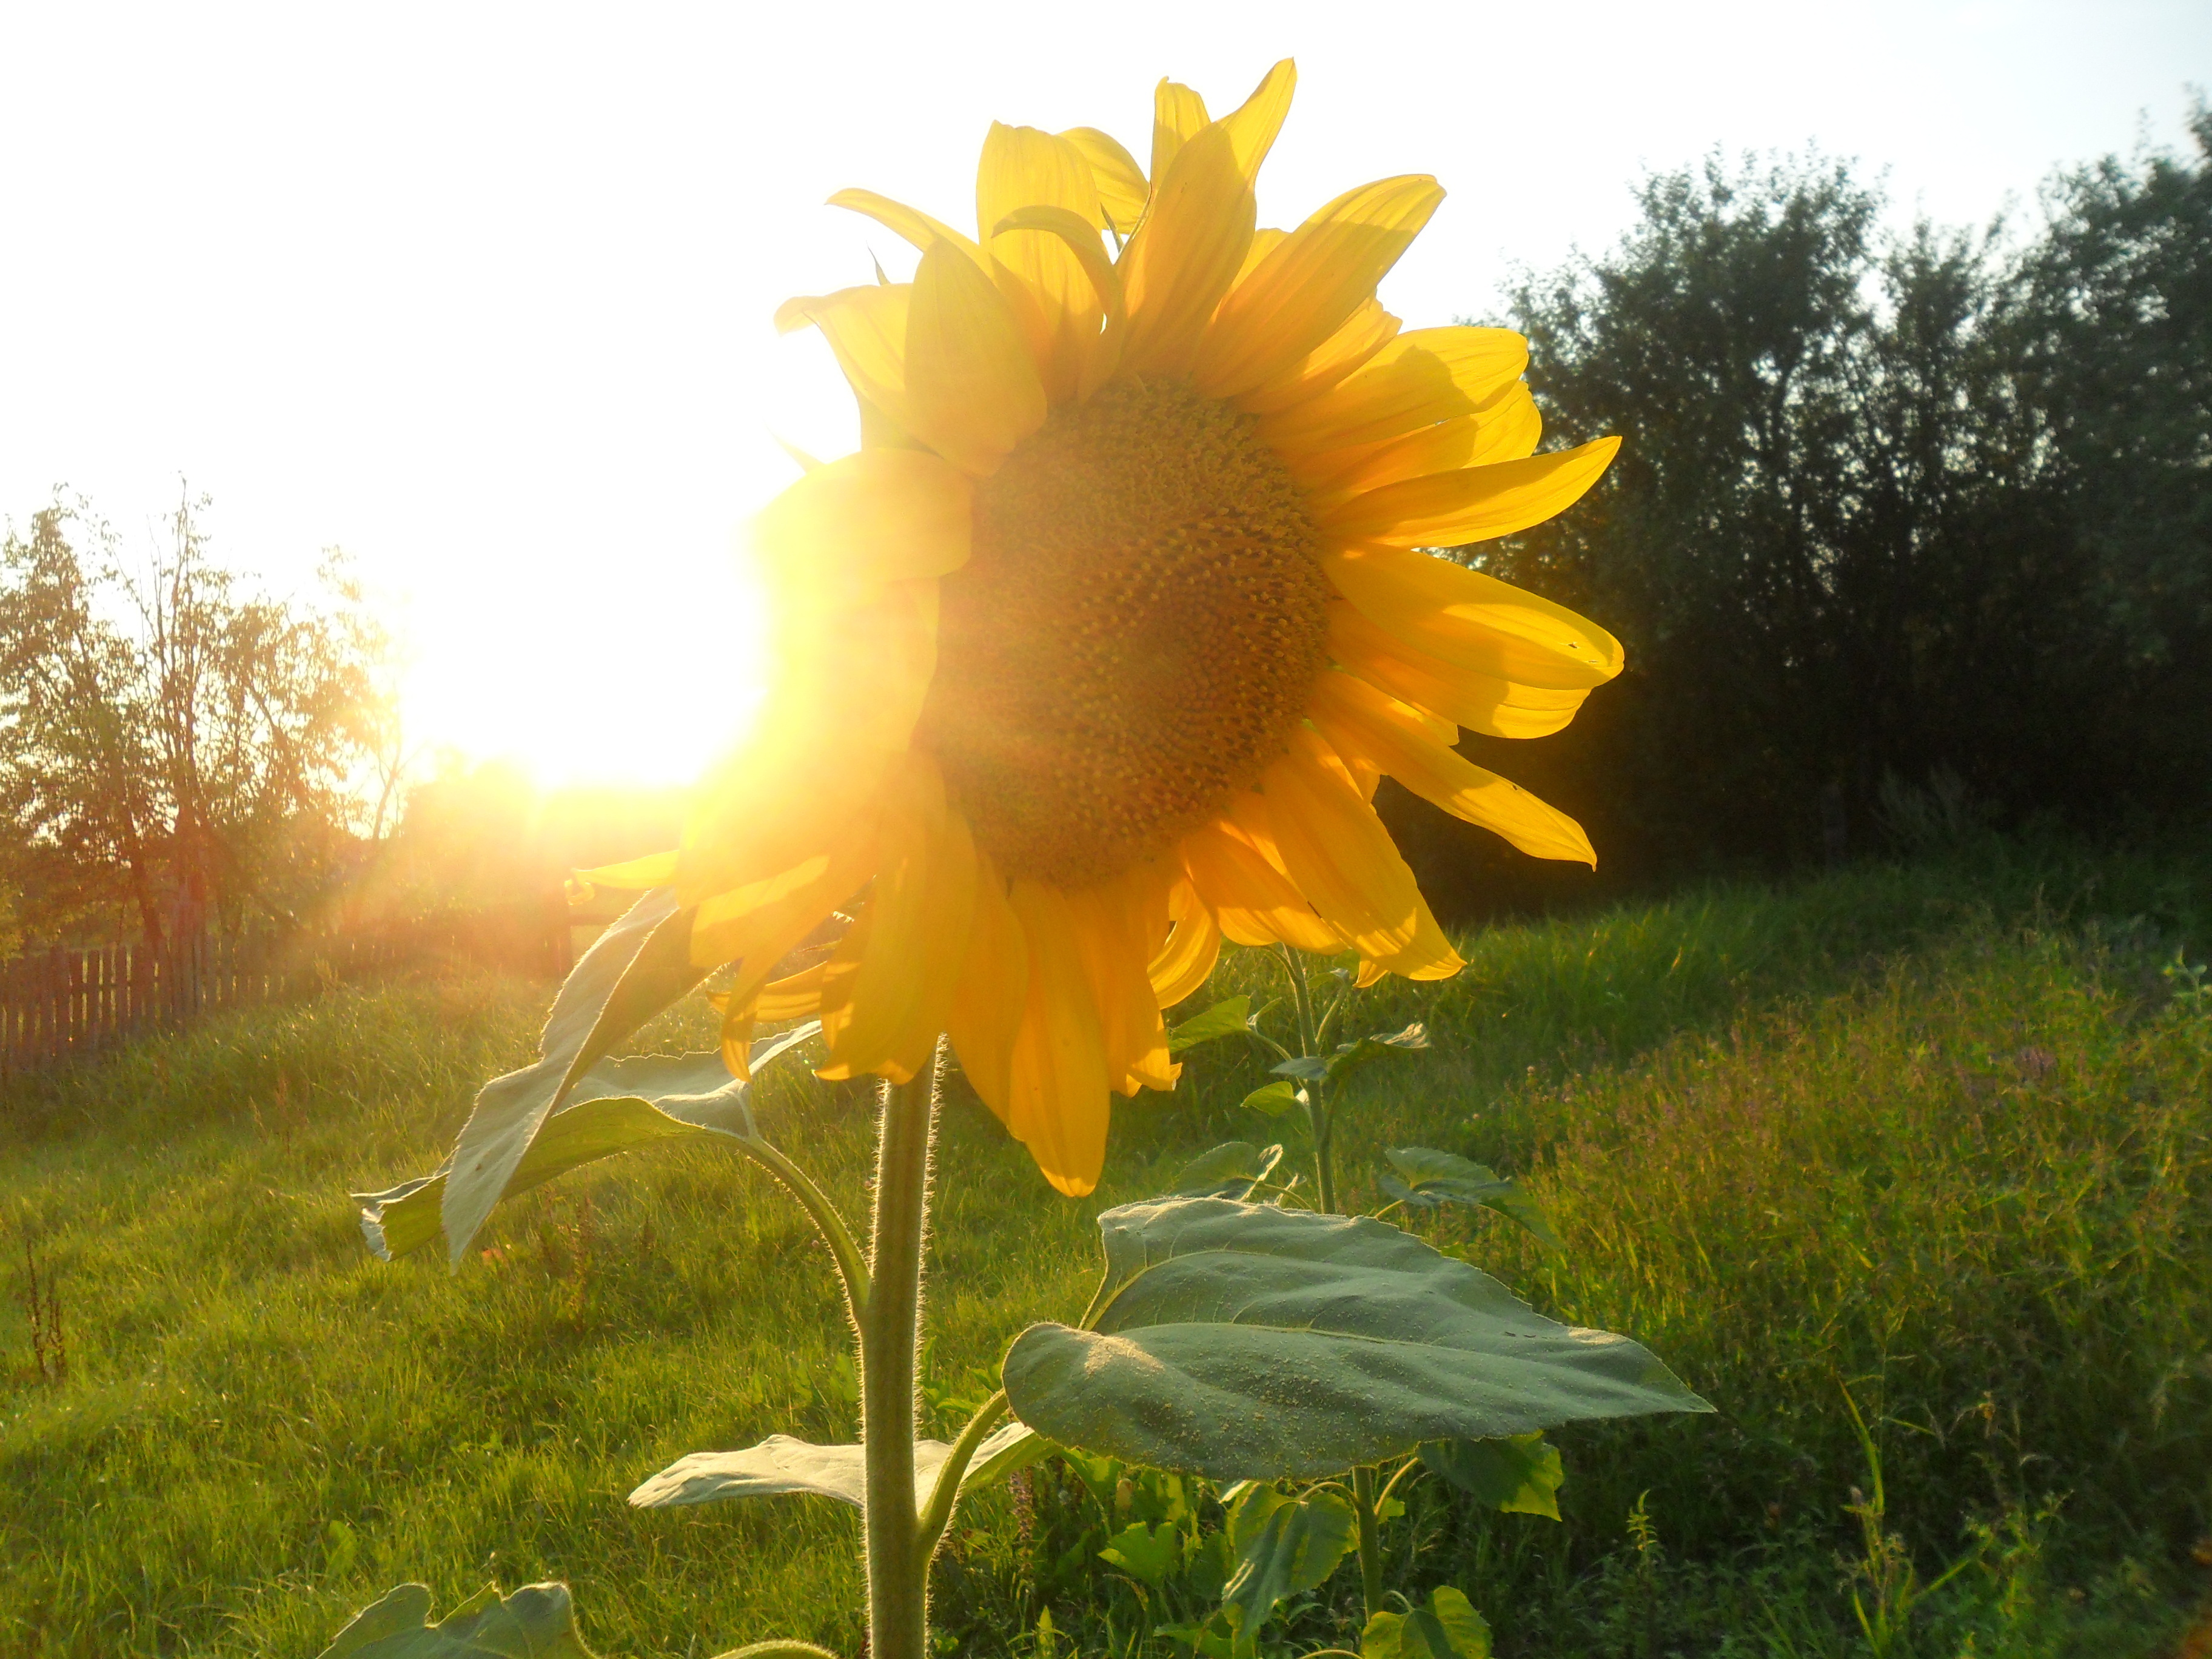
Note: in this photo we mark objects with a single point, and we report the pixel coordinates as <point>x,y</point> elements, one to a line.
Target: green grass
<point>1938,1135</point>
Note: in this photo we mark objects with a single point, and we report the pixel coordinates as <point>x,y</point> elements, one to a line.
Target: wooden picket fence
<point>64,1004</point>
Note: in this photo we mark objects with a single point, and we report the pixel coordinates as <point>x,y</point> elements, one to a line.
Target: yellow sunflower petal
<point>1481,702</point>
<point>1473,621</point>
<point>993,993</point>
<point>867,328</point>
<point>1505,429</point>
<point>1474,504</point>
<point>1420,378</point>
<point>1178,116</point>
<point>1369,329</point>
<point>655,869</point>
<point>794,997</point>
<point>1121,184</point>
<point>972,388</point>
<point>1118,926</point>
<point>1185,255</point>
<point>757,933</point>
<point>889,986</point>
<point>1357,719</point>
<point>1306,288</point>
<point>1095,354</point>
<point>1340,856</point>
<point>1253,902</point>
<point>1186,962</point>
<point>1023,167</point>
<point>849,683</point>
<point>736,1039</point>
<point>1057,1086</point>
<point>912,223</point>
<point>1253,125</point>
<point>879,515</point>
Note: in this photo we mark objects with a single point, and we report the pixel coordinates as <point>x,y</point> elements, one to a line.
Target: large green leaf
<point>1229,1170</point>
<point>1349,1057</point>
<point>637,967</point>
<point>1223,1019</point>
<point>1285,1546</point>
<point>782,1466</point>
<point>536,1622</point>
<point>1521,1475</point>
<point>1427,1179</point>
<point>617,1106</point>
<point>1245,1341</point>
<point>1149,1553</point>
<point>1275,1098</point>
<point>1447,1628</point>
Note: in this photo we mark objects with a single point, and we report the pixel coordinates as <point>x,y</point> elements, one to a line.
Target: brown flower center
<point>1134,637</point>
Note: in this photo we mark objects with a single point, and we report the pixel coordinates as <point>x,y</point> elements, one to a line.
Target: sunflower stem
<point>1364,1505</point>
<point>898,1574</point>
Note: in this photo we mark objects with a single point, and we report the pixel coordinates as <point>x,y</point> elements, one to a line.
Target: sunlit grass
<point>1940,1135</point>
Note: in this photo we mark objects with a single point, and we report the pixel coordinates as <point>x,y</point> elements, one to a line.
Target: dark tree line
<point>1907,529</point>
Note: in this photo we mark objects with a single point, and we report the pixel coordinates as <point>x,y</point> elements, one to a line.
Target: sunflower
<point>1092,656</point>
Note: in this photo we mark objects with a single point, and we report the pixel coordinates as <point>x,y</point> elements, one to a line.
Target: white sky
<point>482,292</point>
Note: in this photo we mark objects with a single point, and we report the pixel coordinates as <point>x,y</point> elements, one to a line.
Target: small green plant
<point>1886,1587</point>
<point>42,1308</point>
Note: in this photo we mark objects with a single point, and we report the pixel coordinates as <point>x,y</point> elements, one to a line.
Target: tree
<point>170,740</point>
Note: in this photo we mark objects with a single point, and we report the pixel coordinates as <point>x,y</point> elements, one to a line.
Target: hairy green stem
<point>1364,1505</point>
<point>898,1574</point>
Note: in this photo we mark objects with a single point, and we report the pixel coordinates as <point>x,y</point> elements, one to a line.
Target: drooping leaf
<point>536,1622</point>
<point>1447,1628</point>
<point>1229,1170</point>
<point>1285,1546</point>
<point>1349,1057</point>
<point>1150,1553</point>
<point>1244,1341</point>
<point>1014,1447</point>
<point>1275,1098</point>
<point>779,1466</point>
<point>1223,1019</point>
<point>1521,1475</point>
<point>1428,1179</point>
<point>638,967</point>
<point>617,1106</point>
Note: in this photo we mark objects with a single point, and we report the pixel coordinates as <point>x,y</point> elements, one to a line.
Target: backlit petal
<point>1121,184</point>
<point>1504,429</point>
<point>866,329</point>
<point>1056,297</point>
<point>972,388</point>
<point>1420,378</point>
<point>1057,1091</point>
<point>888,988</point>
<point>1185,255</point>
<point>1178,116</point>
<point>1253,125</point>
<point>1481,702</point>
<point>1187,960</point>
<point>1357,719</point>
<point>1340,856</point>
<point>1369,329</point>
<point>878,515</point>
<point>1119,925</point>
<point>1474,504</point>
<point>992,998</point>
<point>1473,621</point>
<point>1254,901</point>
<point>1306,288</point>
<point>912,223</point>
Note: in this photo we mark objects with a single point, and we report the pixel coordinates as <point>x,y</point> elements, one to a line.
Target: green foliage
<point>1422,1178</point>
<point>1926,511</point>
<point>536,1622</point>
<point>1231,1170</point>
<point>1245,1341</point>
<point>1286,1545</point>
<point>1224,1018</point>
<point>1447,1628</point>
<point>1521,1474</point>
<point>1971,1075</point>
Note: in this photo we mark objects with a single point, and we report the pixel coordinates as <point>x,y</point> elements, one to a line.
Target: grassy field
<point>1939,1136</point>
